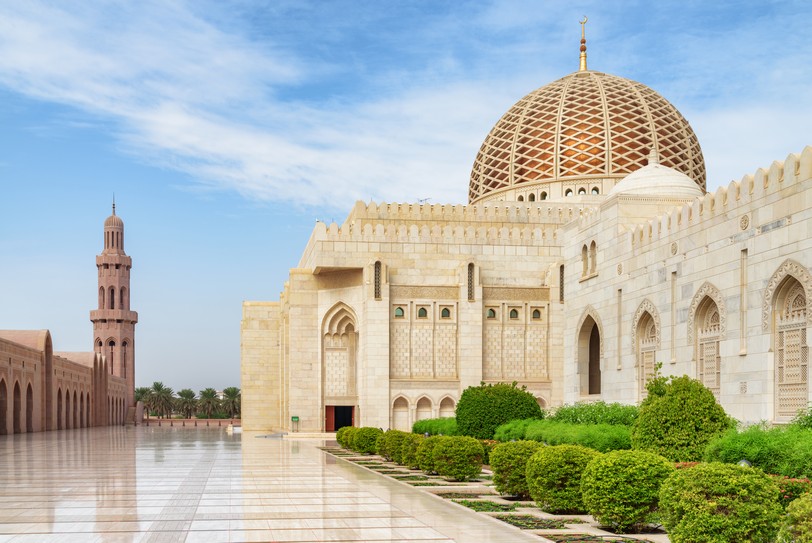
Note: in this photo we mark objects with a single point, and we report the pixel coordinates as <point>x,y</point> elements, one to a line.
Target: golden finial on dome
<point>582,68</point>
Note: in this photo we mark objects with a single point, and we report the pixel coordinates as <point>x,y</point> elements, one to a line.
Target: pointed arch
<point>339,352</point>
<point>710,291</point>
<point>589,351</point>
<point>646,306</point>
<point>447,406</point>
<point>645,342</point>
<point>590,311</point>
<point>29,408</point>
<point>17,406</point>
<point>400,413</point>
<point>3,408</point>
<point>423,408</point>
<point>787,268</point>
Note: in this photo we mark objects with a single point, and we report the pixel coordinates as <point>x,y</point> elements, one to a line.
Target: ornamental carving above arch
<point>646,307</point>
<point>589,311</point>
<point>713,293</point>
<point>788,268</point>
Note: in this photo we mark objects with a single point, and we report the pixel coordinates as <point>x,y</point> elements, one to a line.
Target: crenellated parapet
<point>737,197</point>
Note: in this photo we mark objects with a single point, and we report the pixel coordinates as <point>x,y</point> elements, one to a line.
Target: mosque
<point>589,252</point>
<point>45,390</point>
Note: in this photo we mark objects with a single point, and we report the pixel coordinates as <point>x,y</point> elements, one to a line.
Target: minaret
<point>113,322</point>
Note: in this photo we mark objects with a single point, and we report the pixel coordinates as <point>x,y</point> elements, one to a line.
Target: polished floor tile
<point>155,485</point>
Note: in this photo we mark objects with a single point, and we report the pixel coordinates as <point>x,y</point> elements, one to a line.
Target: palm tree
<point>162,399</point>
<point>142,394</point>
<point>208,402</point>
<point>186,402</point>
<point>232,401</point>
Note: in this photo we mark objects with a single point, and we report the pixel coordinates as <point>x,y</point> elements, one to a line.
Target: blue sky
<point>226,129</point>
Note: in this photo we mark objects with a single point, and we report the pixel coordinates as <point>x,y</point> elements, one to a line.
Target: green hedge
<point>601,437</point>
<point>678,418</point>
<point>349,437</point>
<point>513,430</point>
<point>782,451</point>
<point>425,453</point>
<point>797,524</point>
<point>508,462</point>
<point>621,488</point>
<point>408,450</point>
<point>458,458</point>
<point>554,477</point>
<point>482,409</point>
<point>596,413</point>
<point>720,503</point>
<point>365,440</point>
<point>341,435</point>
<point>446,426</point>
<point>390,445</point>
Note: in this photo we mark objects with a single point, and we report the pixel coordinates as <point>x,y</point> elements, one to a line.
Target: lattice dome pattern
<point>587,124</point>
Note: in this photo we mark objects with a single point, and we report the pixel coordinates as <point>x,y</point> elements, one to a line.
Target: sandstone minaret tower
<point>113,322</point>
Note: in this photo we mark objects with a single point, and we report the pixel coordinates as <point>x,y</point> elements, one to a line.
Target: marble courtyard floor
<point>149,484</point>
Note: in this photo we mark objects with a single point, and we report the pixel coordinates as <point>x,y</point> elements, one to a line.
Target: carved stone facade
<point>575,285</point>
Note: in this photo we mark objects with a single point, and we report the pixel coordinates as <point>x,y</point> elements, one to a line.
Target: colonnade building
<point>45,390</point>
<point>589,252</point>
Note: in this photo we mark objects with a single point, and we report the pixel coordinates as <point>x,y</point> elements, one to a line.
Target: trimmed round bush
<point>482,409</point>
<point>458,458</point>
<point>554,477</point>
<point>349,437</point>
<point>601,437</point>
<point>365,439</point>
<point>393,440</point>
<point>678,419</point>
<point>425,453</point>
<point>797,524</point>
<point>509,464</point>
<point>408,450</point>
<point>340,436</point>
<point>720,503</point>
<point>621,488</point>
<point>446,426</point>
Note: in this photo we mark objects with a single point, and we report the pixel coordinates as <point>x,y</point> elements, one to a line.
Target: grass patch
<point>529,522</point>
<point>486,506</point>
<point>410,477</point>
<point>463,495</point>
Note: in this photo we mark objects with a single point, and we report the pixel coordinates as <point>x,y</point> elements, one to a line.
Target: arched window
<point>124,359</point>
<point>422,313</point>
<point>532,197</point>
<point>543,196</point>
<point>471,282</point>
<point>708,335</point>
<point>111,355</point>
<point>568,192</point>
<point>593,257</point>
<point>101,297</point>
<point>112,298</point>
<point>378,280</point>
<point>398,312</point>
<point>491,314</point>
<point>521,198</point>
<point>584,261</point>
<point>445,313</point>
<point>514,313</point>
<point>536,314</point>
<point>791,350</point>
<point>646,350</point>
<point>561,283</point>
<point>596,190</point>
<point>581,191</point>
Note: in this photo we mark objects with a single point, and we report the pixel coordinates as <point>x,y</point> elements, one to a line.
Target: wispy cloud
<point>241,101</point>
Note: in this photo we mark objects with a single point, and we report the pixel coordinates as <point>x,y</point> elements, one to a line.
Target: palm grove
<point>161,401</point>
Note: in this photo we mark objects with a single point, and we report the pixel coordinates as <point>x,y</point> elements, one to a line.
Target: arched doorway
<point>87,410</point>
<point>447,407</point>
<point>59,409</point>
<point>68,410</point>
<point>75,411</point>
<point>589,357</point>
<point>339,352</point>
<point>29,409</point>
<point>3,408</point>
<point>17,409</point>
<point>400,415</point>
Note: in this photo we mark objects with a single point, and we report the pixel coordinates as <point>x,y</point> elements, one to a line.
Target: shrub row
<point>782,451</point>
<point>514,430</point>
<point>596,413</point>
<point>444,426</point>
<point>361,440</point>
<point>601,437</point>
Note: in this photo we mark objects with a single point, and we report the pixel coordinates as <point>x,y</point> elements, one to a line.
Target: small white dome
<point>654,179</point>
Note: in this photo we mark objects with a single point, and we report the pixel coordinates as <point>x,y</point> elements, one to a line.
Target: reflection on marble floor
<point>203,485</point>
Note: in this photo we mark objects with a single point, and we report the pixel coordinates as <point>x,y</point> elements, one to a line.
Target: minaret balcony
<point>114,315</point>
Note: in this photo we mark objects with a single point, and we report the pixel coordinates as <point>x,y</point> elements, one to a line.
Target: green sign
<point>294,419</point>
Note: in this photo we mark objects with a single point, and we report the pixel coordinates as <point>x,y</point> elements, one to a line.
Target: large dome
<point>585,126</point>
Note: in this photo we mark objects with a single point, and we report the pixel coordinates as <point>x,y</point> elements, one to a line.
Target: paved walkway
<point>202,485</point>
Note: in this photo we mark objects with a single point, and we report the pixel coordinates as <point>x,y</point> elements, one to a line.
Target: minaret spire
<point>582,67</point>
<point>114,203</point>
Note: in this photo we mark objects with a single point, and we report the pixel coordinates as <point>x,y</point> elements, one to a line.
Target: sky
<point>226,129</point>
